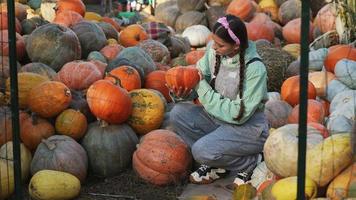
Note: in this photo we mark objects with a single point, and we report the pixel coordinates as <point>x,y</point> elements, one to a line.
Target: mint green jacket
<point>254,90</point>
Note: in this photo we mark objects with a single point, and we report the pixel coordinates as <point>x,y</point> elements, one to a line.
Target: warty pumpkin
<point>132,35</point>
<point>290,90</point>
<point>126,76</point>
<point>156,50</point>
<point>71,123</point>
<point>180,76</point>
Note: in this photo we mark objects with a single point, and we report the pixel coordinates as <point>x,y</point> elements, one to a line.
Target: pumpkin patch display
<point>277,112</point>
<point>71,123</point>
<point>156,50</point>
<point>126,76</point>
<point>161,158</point>
<point>320,80</point>
<point>111,51</point>
<point>197,35</point>
<point>257,30</point>
<point>109,31</point>
<point>39,68</point>
<point>194,56</point>
<point>325,18</point>
<point>316,112</point>
<point>73,5</point>
<point>4,45</point>
<point>184,77</point>
<point>132,35</point>
<point>109,102</point>
<point>345,71</point>
<point>291,31</point>
<point>290,90</point>
<point>147,111</point>
<point>157,80</point>
<point>241,8</point>
<point>338,52</point>
<point>61,153</point>
<point>67,18</point>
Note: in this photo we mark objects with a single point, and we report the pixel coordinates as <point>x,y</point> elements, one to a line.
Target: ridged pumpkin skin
<point>33,129</point>
<point>49,98</point>
<point>316,113</point>
<point>71,123</point>
<point>39,68</point>
<point>289,10</point>
<point>132,35</point>
<point>7,183</point>
<point>61,47</point>
<point>109,102</point>
<point>157,80</point>
<point>291,31</point>
<point>127,76</point>
<point>194,56</point>
<point>79,75</point>
<point>61,153</point>
<point>336,53</point>
<point>162,158</point>
<point>53,185</point>
<point>67,18</point>
<point>241,8</point>
<point>340,186</point>
<point>74,5</point>
<point>290,90</point>
<point>326,17</point>
<point>109,148</point>
<point>5,125</point>
<point>180,76</point>
<point>26,81</point>
<point>147,111</point>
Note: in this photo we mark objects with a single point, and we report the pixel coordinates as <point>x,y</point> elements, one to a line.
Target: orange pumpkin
<point>109,102</point>
<point>33,129</point>
<point>291,31</point>
<point>4,45</point>
<point>182,76</point>
<point>323,130</point>
<point>74,5</point>
<point>337,53</point>
<point>241,8</point>
<point>49,98</point>
<point>320,81</point>
<point>326,105</point>
<point>20,10</point>
<point>290,90</point>
<point>257,30</point>
<point>4,23</point>
<point>5,125</point>
<point>157,80</point>
<point>132,35</point>
<point>71,123</point>
<point>79,75</point>
<point>326,18</point>
<point>67,18</point>
<point>112,22</point>
<point>127,76</point>
<point>162,158</point>
<point>100,66</point>
<point>315,113</point>
<point>111,51</point>
<point>194,56</point>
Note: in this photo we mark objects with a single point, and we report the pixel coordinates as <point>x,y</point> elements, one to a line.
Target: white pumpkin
<point>48,10</point>
<point>333,88</point>
<point>281,149</point>
<point>345,71</point>
<point>316,59</point>
<point>337,124</point>
<point>197,35</point>
<point>274,96</point>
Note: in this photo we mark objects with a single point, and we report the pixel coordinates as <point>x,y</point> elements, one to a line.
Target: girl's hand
<point>180,92</point>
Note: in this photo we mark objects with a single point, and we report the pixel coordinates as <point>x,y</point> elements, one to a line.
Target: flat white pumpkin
<point>197,35</point>
<point>345,71</point>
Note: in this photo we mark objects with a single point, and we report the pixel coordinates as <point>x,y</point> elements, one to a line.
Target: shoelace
<point>203,167</point>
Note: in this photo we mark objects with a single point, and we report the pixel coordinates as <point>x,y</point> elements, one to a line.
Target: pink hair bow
<point>223,21</point>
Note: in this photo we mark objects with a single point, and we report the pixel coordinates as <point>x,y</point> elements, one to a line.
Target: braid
<point>216,70</point>
<point>241,86</point>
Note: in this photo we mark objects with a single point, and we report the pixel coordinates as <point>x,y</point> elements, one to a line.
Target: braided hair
<point>239,29</point>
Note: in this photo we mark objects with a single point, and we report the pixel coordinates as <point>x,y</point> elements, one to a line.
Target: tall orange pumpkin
<point>67,18</point>
<point>182,76</point>
<point>127,76</point>
<point>316,113</point>
<point>74,5</point>
<point>291,31</point>
<point>194,56</point>
<point>132,35</point>
<point>109,102</point>
<point>241,8</point>
<point>157,80</point>
<point>161,158</point>
<point>290,90</point>
<point>337,53</point>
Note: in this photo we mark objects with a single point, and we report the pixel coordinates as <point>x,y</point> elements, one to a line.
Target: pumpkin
<point>92,16</point>
<point>315,113</point>
<point>4,46</point>
<point>281,149</point>
<point>126,76</point>
<point>167,13</point>
<point>79,103</point>
<point>20,10</point>
<point>49,98</point>
<point>270,8</point>
<point>289,10</point>
<point>71,123</point>
<point>345,71</point>
<point>326,17</point>
<point>333,88</point>
<point>273,96</point>
<point>79,75</point>
<point>4,24</point>
<point>109,148</point>
<point>61,153</point>
<point>33,129</point>
<point>189,5</point>
<point>61,46</point>
<point>29,25</point>
<point>328,158</point>
<point>189,19</point>
<point>292,49</point>
<point>326,105</point>
<point>67,18</point>
<point>161,158</point>
<point>277,112</point>
<point>74,5</point>
<point>112,41</point>
<point>157,80</point>
<point>290,90</point>
<point>257,30</point>
<point>179,45</point>
<point>111,51</point>
<point>5,125</point>
<point>111,21</point>
<point>291,31</point>
<point>316,59</point>
<point>338,124</point>
<point>7,184</point>
<point>185,77</point>
<point>109,31</point>
<point>156,50</point>
<point>48,10</point>
<point>5,69</point>
<point>197,35</point>
<point>109,102</point>
<point>340,186</point>
<point>194,56</point>
<point>100,66</point>
<point>96,55</point>
<point>213,14</point>
<point>344,99</point>
<point>321,128</point>
<point>244,191</point>
<point>337,53</point>
<point>132,35</point>
<point>51,184</point>
<point>40,69</point>
<point>287,188</point>
<point>320,80</point>
<point>147,111</point>
<point>241,8</point>
<point>90,35</point>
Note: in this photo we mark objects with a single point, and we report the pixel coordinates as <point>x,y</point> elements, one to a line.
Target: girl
<point>227,132</point>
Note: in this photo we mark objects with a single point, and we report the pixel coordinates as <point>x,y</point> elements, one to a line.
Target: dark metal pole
<point>303,97</point>
<point>14,99</point>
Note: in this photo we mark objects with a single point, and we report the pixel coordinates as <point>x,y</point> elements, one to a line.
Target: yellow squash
<point>286,189</point>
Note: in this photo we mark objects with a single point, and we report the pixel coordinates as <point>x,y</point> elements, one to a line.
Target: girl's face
<point>224,48</point>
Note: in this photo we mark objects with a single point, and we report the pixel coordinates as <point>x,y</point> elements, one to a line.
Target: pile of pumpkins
<point>93,95</point>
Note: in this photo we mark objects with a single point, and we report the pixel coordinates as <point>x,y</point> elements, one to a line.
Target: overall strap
<point>254,60</point>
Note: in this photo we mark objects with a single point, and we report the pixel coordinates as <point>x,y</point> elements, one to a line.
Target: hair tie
<point>223,21</point>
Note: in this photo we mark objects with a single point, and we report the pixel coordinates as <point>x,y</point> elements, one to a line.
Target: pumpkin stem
<point>67,92</point>
<point>117,79</point>
<point>51,146</point>
<point>103,123</point>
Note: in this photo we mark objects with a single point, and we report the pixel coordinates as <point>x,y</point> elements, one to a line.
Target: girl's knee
<point>205,154</point>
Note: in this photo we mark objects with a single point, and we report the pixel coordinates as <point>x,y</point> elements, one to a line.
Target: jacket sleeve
<point>255,88</point>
